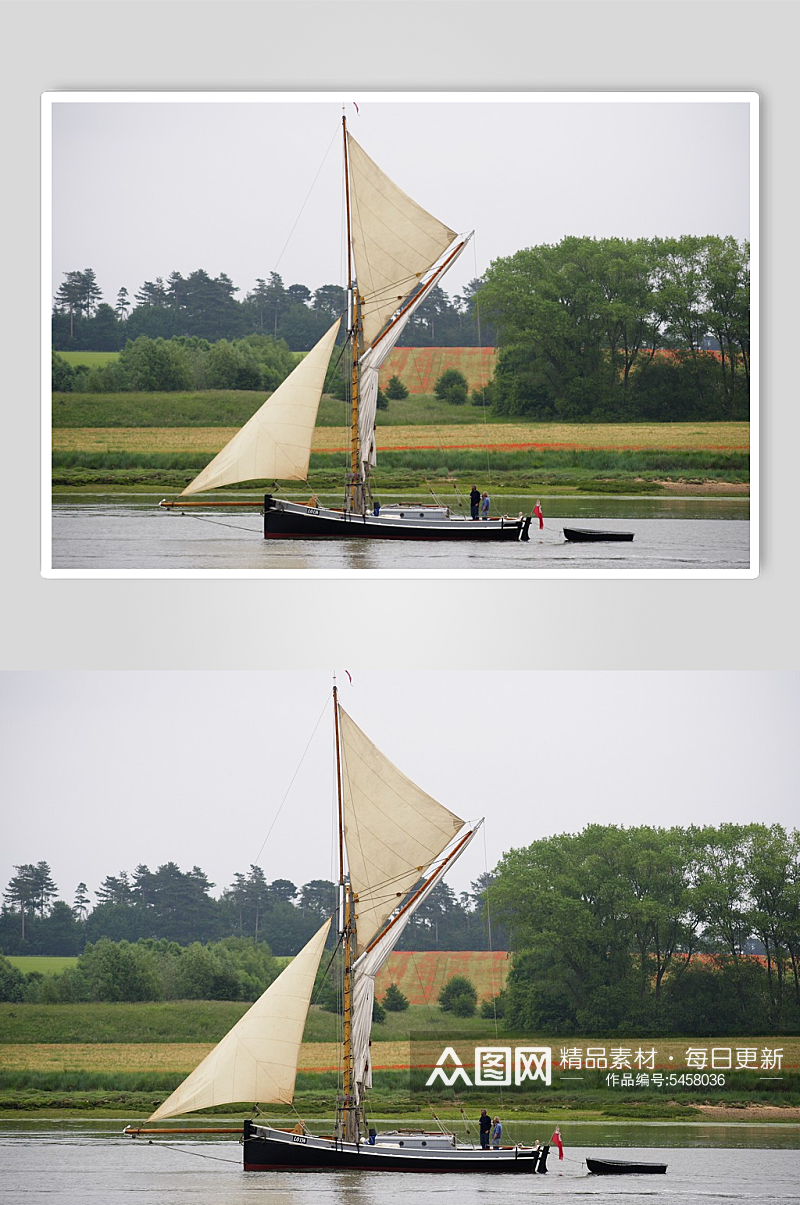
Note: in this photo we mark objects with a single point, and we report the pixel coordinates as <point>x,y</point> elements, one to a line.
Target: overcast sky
<point>142,189</point>
<point>102,771</point>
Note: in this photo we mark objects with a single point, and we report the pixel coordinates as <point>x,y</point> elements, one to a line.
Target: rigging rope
<point>302,207</point>
<point>483,387</point>
<point>219,523</point>
<point>181,1150</point>
<point>291,783</point>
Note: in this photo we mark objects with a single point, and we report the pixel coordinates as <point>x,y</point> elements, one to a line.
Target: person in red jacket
<point>537,510</point>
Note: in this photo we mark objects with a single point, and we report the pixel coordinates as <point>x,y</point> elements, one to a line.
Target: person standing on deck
<point>485,504</point>
<point>537,510</point>
<point>497,1134</point>
<point>474,501</point>
<point>484,1125</point>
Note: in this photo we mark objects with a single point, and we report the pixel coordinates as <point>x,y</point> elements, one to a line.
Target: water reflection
<point>129,532</point>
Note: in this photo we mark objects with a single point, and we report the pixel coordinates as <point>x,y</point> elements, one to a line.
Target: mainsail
<point>276,441</point>
<point>257,1059</point>
<point>366,967</point>
<point>393,830</point>
<point>395,240</point>
<point>374,357</point>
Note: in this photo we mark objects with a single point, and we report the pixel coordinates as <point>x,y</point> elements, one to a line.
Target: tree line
<point>680,930</point>
<point>172,365</point>
<point>612,328</point>
<point>205,307</point>
<point>168,904</point>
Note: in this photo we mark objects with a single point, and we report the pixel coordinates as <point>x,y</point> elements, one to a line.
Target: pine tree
<point>123,305</point>
<point>80,907</point>
<point>23,890</point>
<point>396,390</point>
<point>394,1001</point>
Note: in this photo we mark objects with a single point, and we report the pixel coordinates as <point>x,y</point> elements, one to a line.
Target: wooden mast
<point>348,933</point>
<point>355,491</point>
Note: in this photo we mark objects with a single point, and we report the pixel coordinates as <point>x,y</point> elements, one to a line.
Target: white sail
<point>393,830</point>
<point>276,441</point>
<point>374,357</point>
<point>257,1060</point>
<point>395,240</point>
<point>366,967</point>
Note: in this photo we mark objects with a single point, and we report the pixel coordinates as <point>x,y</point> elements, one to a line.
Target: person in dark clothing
<point>474,503</point>
<point>485,1125</point>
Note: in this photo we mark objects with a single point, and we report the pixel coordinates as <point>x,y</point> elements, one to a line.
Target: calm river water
<point>130,532</point>
<point>88,1162</point>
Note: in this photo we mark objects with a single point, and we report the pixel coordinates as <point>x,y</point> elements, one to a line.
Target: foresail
<point>257,1060</point>
<point>374,357</point>
<point>395,240</point>
<point>393,830</point>
<point>366,967</point>
<point>276,442</point>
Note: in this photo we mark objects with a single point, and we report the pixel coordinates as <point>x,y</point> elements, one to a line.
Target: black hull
<point>287,1152</point>
<point>578,535</point>
<point>289,521</point>
<point>616,1167</point>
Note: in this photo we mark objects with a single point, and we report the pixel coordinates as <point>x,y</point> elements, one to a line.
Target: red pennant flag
<point>349,676</point>
<point>556,1141</point>
<point>355,106</point>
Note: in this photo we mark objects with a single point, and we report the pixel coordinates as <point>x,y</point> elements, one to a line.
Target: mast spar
<point>349,1104</point>
<point>356,499</point>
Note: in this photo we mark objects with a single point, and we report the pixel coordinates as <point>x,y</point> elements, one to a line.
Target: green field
<point>92,359</point>
<point>232,408</point>
<point>197,1021</point>
<point>43,965</point>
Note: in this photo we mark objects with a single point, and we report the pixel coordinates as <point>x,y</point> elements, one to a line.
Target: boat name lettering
<point>312,510</point>
<point>299,1138</point>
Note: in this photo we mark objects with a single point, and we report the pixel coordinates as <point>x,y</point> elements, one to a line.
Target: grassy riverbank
<point>159,442</point>
<point>123,1059</point>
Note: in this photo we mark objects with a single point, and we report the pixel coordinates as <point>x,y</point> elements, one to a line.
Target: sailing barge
<point>396,253</point>
<point>395,843</point>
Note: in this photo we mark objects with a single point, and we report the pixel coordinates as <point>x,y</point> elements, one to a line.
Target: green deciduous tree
<point>458,996</point>
<point>453,387</point>
<point>116,971</point>
<point>155,364</point>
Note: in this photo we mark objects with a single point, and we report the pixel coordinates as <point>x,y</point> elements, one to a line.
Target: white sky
<point>142,189</point>
<point>104,770</point>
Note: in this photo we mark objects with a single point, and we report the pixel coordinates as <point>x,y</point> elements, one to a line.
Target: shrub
<point>378,1012</point>
<point>12,982</point>
<point>229,366</point>
<point>120,971</point>
<point>394,1000</point>
<point>458,996</point>
<point>62,376</point>
<point>396,390</point>
<point>452,387</point>
<point>495,1006</point>
<point>381,402</point>
<point>204,974</point>
<point>156,364</point>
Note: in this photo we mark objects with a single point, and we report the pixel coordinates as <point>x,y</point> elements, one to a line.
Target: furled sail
<point>375,356</point>
<point>366,967</point>
<point>257,1059</point>
<point>276,441</point>
<point>395,240</point>
<point>393,830</point>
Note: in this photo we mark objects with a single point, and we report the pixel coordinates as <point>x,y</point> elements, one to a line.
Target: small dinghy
<point>583,535</point>
<point>618,1167</point>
